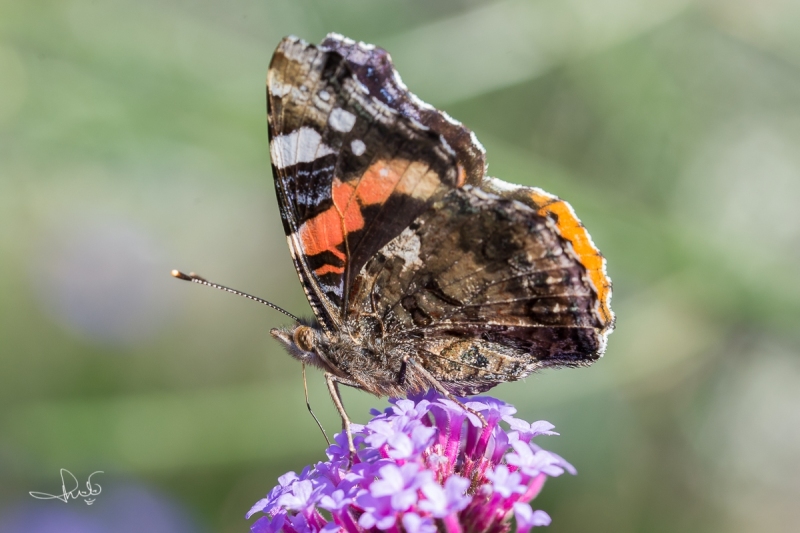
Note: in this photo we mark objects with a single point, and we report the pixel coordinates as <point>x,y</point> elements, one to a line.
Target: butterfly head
<point>301,341</point>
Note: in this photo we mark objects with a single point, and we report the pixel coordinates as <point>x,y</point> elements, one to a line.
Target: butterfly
<point>422,271</point>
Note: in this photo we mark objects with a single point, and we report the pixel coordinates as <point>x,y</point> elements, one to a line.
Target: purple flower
<point>528,518</point>
<point>533,463</point>
<point>505,482</point>
<point>423,465</point>
<point>526,431</point>
<point>442,501</point>
<point>417,524</point>
<point>266,524</point>
<point>336,501</point>
<point>400,484</point>
<point>283,486</point>
<point>300,497</point>
<point>378,512</point>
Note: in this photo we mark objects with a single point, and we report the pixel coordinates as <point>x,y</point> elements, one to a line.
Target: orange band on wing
<point>329,269</point>
<point>589,256</point>
<point>327,231</point>
<point>380,179</point>
<point>348,210</point>
<point>323,233</point>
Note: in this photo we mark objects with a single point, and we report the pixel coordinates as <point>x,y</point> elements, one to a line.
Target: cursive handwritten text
<point>67,479</point>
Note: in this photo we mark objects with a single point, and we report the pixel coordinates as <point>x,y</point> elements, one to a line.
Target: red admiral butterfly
<point>421,270</point>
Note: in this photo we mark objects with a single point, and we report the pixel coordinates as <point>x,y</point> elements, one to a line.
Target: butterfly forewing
<point>352,170</point>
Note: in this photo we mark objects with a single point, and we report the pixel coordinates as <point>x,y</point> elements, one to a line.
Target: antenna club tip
<point>180,275</point>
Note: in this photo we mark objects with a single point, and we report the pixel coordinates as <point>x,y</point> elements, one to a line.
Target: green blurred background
<point>133,141</point>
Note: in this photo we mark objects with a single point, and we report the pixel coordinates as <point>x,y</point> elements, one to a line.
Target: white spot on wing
<point>279,89</point>
<point>324,95</point>
<point>406,246</point>
<point>341,120</point>
<point>301,146</point>
<point>358,147</point>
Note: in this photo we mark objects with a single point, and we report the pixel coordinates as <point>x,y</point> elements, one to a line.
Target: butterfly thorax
<point>368,363</point>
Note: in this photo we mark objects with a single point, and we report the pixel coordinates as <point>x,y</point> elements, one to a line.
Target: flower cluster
<point>424,465</point>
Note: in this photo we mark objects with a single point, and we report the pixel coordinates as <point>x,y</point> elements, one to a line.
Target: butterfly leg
<point>333,387</point>
<point>308,406</point>
<point>436,384</point>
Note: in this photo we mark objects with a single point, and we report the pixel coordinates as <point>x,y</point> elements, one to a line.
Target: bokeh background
<point>133,141</point>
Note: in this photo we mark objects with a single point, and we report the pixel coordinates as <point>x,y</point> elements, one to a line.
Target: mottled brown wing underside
<point>486,290</point>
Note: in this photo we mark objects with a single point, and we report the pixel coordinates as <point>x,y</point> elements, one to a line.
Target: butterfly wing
<point>397,235</point>
<point>356,158</point>
<point>488,285</point>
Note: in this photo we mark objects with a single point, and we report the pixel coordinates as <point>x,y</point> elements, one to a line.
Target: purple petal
<point>526,431</point>
<point>528,518</point>
<point>381,432</point>
<point>505,482</point>
<point>414,523</point>
<point>542,427</point>
<point>268,525</point>
<point>259,506</point>
<point>500,445</point>
<point>268,504</point>
<point>391,481</point>
<point>367,521</point>
<point>335,501</point>
<point>287,479</point>
<point>564,464</point>
<point>403,407</point>
<point>456,487</point>
<point>378,512</point>
<point>422,436</point>
<point>435,501</point>
<point>442,501</point>
<point>300,498</point>
<point>402,447</point>
<point>300,524</point>
<point>531,463</point>
<point>488,406</point>
<point>404,499</point>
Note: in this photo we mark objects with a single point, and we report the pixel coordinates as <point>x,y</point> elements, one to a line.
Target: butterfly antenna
<point>194,278</point>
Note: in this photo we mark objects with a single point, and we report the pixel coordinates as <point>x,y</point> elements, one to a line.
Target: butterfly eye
<point>303,337</point>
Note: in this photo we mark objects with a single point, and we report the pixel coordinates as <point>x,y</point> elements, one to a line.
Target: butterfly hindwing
<point>483,289</point>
